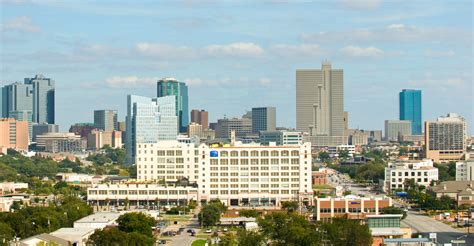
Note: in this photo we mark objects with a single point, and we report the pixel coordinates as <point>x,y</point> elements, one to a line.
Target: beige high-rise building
<point>14,134</point>
<point>201,117</point>
<point>445,139</point>
<point>320,104</point>
<point>195,129</point>
<point>395,129</point>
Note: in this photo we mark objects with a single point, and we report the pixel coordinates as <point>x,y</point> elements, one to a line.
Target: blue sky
<point>236,55</point>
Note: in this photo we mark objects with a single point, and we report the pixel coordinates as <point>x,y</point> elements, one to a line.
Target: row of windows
<point>254,185</point>
<point>225,192</point>
<point>245,153</point>
<point>255,168</point>
<point>350,210</point>
<point>261,180</point>
<point>255,174</point>
<point>255,161</point>
<point>402,180</point>
<point>408,173</point>
<point>138,192</point>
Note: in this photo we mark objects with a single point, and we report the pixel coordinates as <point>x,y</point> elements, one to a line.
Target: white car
<point>208,231</point>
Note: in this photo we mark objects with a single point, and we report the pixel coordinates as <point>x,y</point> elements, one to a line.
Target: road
<point>185,238</point>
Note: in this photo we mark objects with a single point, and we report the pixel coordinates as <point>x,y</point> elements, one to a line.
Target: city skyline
<point>390,49</point>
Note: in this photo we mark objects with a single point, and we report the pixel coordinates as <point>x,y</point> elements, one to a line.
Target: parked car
<point>208,231</point>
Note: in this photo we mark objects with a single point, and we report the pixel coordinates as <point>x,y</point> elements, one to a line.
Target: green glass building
<point>173,87</point>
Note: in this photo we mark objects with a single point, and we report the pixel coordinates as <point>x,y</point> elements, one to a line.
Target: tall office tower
<point>42,129</point>
<point>263,119</point>
<point>172,87</point>
<point>105,120</point>
<point>320,104</point>
<point>43,98</point>
<point>149,120</point>
<point>397,128</point>
<point>445,139</point>
<point>410,109</point>
<point>16,97</point>
<point>13,134</point>
<point>24,115</point>
<point>201,117</point>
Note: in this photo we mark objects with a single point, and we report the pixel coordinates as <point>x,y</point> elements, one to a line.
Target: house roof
<point>453,186</point>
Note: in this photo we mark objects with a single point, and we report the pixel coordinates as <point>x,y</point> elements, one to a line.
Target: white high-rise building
<point>149,120</point>
<point>239,174</point>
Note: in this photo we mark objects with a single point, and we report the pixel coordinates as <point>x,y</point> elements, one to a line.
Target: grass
<point>322,186</point>
<point>176,217</point>
<point>199,242</point>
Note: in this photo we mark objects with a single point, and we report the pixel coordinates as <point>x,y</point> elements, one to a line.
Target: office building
<point>263,119</point>
<point>41,129</point>
<point>149,120</point>
<point>172,87</point>
<point>43,98</point>
<point>374,135</point>
<point>352,207</point>
<point>239,174</point>
<point>357,137</point>
<point>394,129</point>
<point>97,139</point>
<point>201,117</point>
<point>24,115</point>
<point>14,134</point>
<point>16,97</point>
<point>410,109</point>
<point>82,129</point>
<point>282,137</point>
<point>445,139</point>
<point>320,104</point>
<point>60,142</point>
<point>421,172</point>
<point>195,129</point>
<point>241,126</point>
<point>105,120</point>
<point>465,170</point>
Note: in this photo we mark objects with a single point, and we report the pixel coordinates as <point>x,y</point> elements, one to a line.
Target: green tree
<point>343,154</point>
<point>249,213</point>
<point>209,215</point>
<point>192,204</point>
<point>136,222</point>
<point>229,239</point>
<point>249,238</point>
<point>6,232</point>
<point>394,210</point>
<point>323,156</point>
<point>346,232</point>
<point>290,206</point>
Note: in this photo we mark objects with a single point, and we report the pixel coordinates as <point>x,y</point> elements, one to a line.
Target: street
<point>185,238</point>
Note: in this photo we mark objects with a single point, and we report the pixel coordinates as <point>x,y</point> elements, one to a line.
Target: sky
<point>235,55</point>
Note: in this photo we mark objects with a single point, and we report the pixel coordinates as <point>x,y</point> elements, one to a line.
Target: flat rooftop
<point>101,217</point>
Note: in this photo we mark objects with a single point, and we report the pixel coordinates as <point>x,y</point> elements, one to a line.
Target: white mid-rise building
<point>335,150</point>
<point>237,174</point>
<point>421,171</point>
<point>465,170</point>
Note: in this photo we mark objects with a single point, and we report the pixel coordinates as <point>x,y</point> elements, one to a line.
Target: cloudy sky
<point>236,55</point>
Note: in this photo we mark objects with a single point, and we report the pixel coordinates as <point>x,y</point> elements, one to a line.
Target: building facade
<point>149,120</point>
<point>397,128</point>
<point>98,139</point>
<point>200,117</point>
<point>24,115</point>
<point>43,98</point>
<point>173,87</point>
<point>445,139</point>
<point>397,173</point>
<point>14,134</point>
<point>106,120</point>
<point>351,206</point>
<point>238,175</point>
<point>195,129</point>
<point>282,137</point>
<point>411,109</point>
<point>465,170</point>
<point>60,142</point>
<point>41,129</point>
<point>263,119</point>
<point>241,126</point>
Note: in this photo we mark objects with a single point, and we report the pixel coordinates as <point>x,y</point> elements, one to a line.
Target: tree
<point>209,215</point>
<point>394,210</point>
<point>342,231</point>
<point>192,204</point>
<point>6,232</point>
<point>136,222</point>
<point>249,238</point>
<point>218,204</point>
<point>343,154</point>
<point>323,156</point>
<point>249,213</point>
<point>228,239</point>
<point>403,151</point>
<point>290,206</point>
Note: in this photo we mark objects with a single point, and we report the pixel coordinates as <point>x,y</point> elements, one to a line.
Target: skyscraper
<point>105,120</point>
<point>397,128</point>
<point>445,139</point>
<point>16,97</point>
<point>410,109</point>
<point>172,87</point>
<point>263,119</point>
<point>320,104</point>
<point>43,98</point>
<point>149,120</point>
<point>201,117</point>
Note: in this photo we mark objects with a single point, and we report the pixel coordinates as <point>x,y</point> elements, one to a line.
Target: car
<point>189,230</point>
<point>225,230</point>
<point>208,231</point>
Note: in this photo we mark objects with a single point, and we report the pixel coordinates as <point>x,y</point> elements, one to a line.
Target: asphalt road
<point>185,238</point>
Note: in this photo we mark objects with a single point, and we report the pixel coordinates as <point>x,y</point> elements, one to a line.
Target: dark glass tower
<point>410,109</point>
<point>173,87</point>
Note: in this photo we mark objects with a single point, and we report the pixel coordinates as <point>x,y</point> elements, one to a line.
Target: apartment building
<point>421,171</point>
<point>465,170</point>
<point>351,206</point>
<point>238,174</point>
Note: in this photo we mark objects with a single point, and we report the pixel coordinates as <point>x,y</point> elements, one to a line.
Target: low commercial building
<point>461,191</point>
<point>60,142</point>
<point>75,236</point>
<point>385,226</point>
<point>421,172</point>
<point>97,220</point>
<point>351,206</point>
<point>43,239</point>
<point>11,187</point>
<point>281,137</point>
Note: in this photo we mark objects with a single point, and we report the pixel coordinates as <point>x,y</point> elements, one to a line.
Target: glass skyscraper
<point>172,87</point>
<point>149,120</point>
<point>43,98</point>
<point>410,109</point>
<point>105,120</point>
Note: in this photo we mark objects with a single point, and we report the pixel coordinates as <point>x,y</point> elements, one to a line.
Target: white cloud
<point>301,50</point>
<point>234,50</point>
<point>355,51</point>
<point>21,24</point>
<point>394,33</point>
<point>130,81</point>
<point>166,51</point>
<point>361,4</point>
<point>439,53</point>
